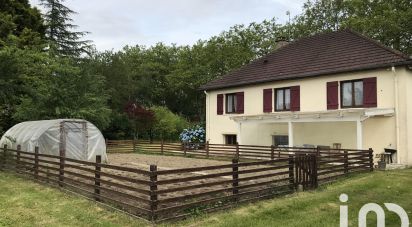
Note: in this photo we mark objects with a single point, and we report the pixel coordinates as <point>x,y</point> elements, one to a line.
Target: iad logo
<point>372,207</point>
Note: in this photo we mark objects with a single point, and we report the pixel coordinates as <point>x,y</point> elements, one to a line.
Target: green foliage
<point>385,21</point>
<point>63,41</point>
<point>20,24</point>
<point>167,125</point>
<point>62,89</point>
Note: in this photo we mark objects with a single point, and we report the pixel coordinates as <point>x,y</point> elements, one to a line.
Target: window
<point>231,103</point>
<point>280,141</point>
<point>230,139</point>
<point>282,100</point>
<point>352,94</point>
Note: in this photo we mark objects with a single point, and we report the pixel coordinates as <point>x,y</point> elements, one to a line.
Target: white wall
<point>378,132</point>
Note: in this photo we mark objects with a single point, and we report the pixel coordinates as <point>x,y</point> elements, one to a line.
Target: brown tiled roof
<point>326,53</point>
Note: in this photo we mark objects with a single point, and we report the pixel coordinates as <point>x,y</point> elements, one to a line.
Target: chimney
<point>281,41</point>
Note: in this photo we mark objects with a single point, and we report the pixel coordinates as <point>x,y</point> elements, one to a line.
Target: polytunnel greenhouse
<point>76,139</point>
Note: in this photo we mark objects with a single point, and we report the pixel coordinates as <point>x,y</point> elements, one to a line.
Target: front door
<point>74,140</point>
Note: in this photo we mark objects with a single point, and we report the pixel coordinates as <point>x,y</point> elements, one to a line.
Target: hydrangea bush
<point>193,135</point>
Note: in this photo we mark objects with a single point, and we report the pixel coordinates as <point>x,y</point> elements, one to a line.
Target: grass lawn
<point>321,207</point>
<point>24,203</point>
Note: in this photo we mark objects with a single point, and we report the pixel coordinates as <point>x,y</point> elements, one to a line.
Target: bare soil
<point>143,161</point>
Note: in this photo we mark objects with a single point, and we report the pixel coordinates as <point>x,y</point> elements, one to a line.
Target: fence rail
<point>162,195</point>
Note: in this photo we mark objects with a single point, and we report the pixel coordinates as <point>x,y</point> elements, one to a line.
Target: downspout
<point>207,115</point>
<point>396,91</point>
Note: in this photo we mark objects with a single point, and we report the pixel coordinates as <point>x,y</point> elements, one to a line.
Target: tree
<point>142,119</point>
<point>20,24</point>
<point>62,40</point>
<point>58,88</point>
<point>167,125</point>
<point>385,21</point>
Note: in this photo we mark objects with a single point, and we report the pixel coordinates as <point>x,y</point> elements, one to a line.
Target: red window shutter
<point>220,104</point>
<point>267,100</point>
<point>370,98</point>
<point>295,98</point>
<point>332,93</point>
<point>240,102</point>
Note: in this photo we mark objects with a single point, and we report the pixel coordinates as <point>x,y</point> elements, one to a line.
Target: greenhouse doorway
<point>73,139</point>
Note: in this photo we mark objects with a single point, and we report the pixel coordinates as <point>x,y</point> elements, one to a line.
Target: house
<point>338,89</point>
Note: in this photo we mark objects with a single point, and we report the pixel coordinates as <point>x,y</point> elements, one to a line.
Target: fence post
<point>4,161</point>
<point>207,149</point>
<point>97,177</point>
<point>161,146</point>
<point>371,159</point>
<point>235,177</point>
<point>291,175</point>
<point>272,152</point>
<point>61,170</point>
<point>153,192</point>
<point>185,148</point>
<point>36,162</point>
<point>346,162</point>
<point>18,157</point>
<point>237,151</point>
<point>134,145</point>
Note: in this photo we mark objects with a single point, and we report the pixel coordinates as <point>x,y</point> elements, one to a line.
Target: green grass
<point>321,207</point>
<point>25,203</point>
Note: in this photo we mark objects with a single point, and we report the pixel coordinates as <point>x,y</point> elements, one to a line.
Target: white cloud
<point>114,24</point>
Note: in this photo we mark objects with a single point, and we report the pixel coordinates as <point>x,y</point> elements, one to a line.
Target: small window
<point>282,100</point>
<point>281,141</point>
<point>352,94</point>
<point>230,139</point>
<point>231,103</point>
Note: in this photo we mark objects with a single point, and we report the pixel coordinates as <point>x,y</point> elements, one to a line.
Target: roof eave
<point>402,63</point>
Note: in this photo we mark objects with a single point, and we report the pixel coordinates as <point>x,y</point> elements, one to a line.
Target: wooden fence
<point>161,195</point>
<point>332,160</point>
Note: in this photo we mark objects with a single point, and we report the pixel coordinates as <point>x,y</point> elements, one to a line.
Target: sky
<point>115,23</point>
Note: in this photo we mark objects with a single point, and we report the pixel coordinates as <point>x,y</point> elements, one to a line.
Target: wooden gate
<point>306,171</point>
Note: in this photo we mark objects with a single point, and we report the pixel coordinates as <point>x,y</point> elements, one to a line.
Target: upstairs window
<point>352,94</point>
<point>282,100</point>
<point>231,103</point>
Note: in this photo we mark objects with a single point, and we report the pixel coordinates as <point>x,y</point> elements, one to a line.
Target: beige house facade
<point>339,98</point>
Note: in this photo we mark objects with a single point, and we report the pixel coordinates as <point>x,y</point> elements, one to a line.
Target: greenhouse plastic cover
<point>82,143</point>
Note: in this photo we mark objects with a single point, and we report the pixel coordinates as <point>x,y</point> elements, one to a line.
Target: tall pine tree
<point>64,41</point>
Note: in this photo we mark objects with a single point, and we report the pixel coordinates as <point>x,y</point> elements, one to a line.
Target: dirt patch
<point>143,161</point>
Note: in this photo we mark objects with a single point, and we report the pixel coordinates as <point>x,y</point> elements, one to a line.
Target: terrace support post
<point>272,152</point>
<point>207,149</point>
<point>98,169</point>
<point>346,162</point>
<point>153,192</point>
<point>36,162</point>
<point>161,146</point>
<point>237,151</point>
<point>18,157</point>
<point>292,184</point>
<point>4,161</point>
<point>61,170</point>
<point>235,178</point>
<point>370,159</point>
